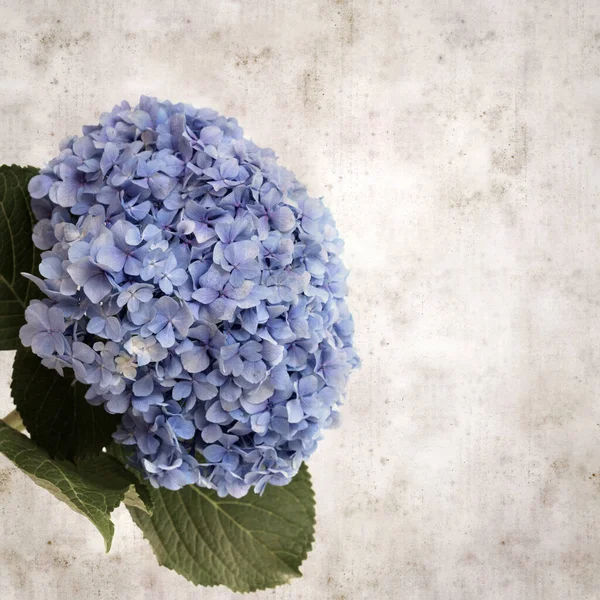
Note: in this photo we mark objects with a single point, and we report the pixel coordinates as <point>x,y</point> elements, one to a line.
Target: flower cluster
<point>197,289</point>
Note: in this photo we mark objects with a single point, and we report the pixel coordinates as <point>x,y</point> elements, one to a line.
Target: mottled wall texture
<point>457,145</point>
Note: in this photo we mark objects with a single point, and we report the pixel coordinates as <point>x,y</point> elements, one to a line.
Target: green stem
<point>14,420</point>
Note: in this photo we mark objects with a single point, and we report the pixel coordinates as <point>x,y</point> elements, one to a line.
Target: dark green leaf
<point>17,252</point>
<point>55,412</point>
<point>253,543</point>
<point>139,495</point>
<point>103,471</point>
<point>93,487</point>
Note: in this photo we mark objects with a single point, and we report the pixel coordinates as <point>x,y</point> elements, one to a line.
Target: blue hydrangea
<point>197,289</point>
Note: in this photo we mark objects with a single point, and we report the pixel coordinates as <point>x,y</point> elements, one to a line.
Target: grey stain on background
<point>457,146</point>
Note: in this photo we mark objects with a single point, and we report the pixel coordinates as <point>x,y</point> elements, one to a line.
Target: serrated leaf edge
<point>251,589</point>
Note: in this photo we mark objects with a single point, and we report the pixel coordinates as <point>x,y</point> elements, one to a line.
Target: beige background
<point>457,144</point>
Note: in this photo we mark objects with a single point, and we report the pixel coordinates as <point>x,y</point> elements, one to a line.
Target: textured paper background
<point>457,144</point>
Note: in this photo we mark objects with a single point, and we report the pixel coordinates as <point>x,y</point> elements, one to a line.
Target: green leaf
<point>253,543</point>
<point>108,471</point>
<point>17,252</point>
<point>138,496</point>
<point>93,487</point>
<point>55,411</point>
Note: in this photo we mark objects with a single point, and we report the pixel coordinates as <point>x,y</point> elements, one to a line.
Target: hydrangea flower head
<point>197,289</point>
